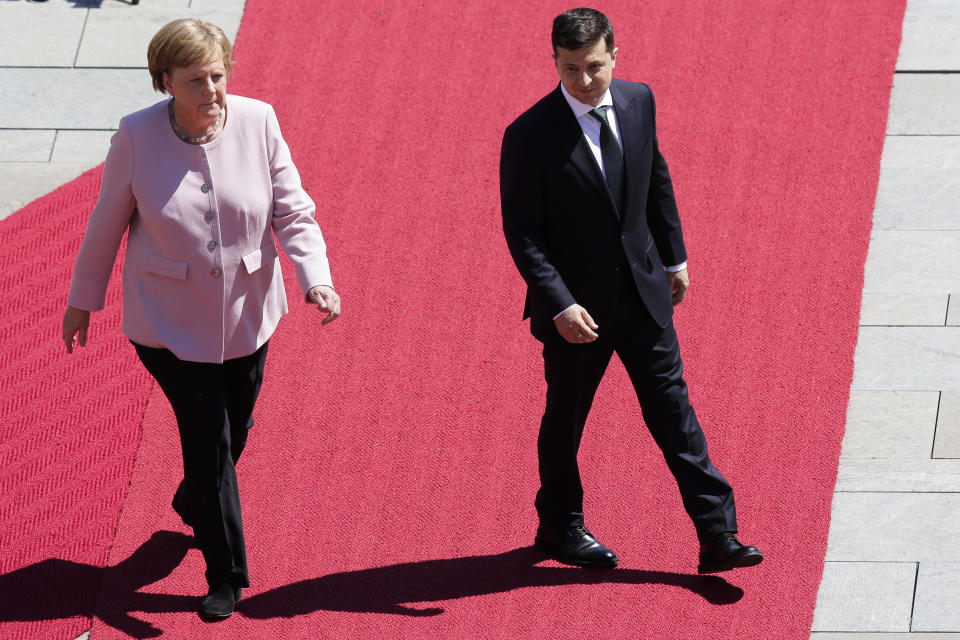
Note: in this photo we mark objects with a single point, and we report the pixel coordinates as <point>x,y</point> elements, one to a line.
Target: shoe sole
<point>751,560</point>
<point>572,560</point>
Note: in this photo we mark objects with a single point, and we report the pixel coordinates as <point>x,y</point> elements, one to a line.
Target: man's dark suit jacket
<point>566,235</point>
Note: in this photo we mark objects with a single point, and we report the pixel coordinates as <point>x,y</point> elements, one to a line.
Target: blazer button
<point>215,272</point>
<point>208,216</point>
<point>212,245</point>
<point>205,187</point>
<point>615,269</point>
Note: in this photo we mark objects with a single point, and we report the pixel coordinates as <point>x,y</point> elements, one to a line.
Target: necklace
<point>188,139</point>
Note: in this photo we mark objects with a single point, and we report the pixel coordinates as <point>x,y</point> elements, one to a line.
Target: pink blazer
<point>201,275</point>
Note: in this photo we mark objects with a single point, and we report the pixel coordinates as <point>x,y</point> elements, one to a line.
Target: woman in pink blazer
<point>202,183</point>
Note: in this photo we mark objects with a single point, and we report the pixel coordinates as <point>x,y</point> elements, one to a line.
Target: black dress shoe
<point>181,504</point>
<point>575,546</point>
<point>724,552</point>
<point>219,602</point>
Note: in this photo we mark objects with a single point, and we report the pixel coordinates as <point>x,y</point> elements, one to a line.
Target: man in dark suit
<point>590,219</point>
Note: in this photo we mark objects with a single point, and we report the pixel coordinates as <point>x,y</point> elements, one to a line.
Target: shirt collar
<point>580,109</point>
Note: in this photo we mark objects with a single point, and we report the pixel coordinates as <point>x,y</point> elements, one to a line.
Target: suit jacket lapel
<point>628,121</point>
<point>580,157</point>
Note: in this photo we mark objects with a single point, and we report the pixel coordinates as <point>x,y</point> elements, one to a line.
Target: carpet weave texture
<point>388,483</point>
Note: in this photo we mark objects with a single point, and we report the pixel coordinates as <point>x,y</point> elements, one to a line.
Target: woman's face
<point>199,90</point>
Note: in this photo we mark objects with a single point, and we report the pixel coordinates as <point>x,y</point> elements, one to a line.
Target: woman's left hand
<point>327,300</point>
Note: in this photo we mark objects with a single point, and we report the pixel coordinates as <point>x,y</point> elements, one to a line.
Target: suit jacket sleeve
<point>293,220</point>
<point>108,222</point>
<point>522,207</point>
<point>662,215</point>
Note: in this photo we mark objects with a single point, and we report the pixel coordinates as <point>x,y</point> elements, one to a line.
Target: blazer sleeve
<point>662,215</point>
<point>293,219</point>
<point>109,220</point>
<point>522,207</point>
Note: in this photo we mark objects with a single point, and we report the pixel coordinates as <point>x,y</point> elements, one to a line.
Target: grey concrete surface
<point>912,261</point>
<point>919,184</point>
<point>924,104</point>
<point>907,359</point>
<point>946,443</point>
<point>894,527</point>
<point>937,601</point>
<point>865,596</point>
<point>929,40</point>
<point>890,424</point>
<point>884,636</point>
<point>903,309</point>
<point>916,475</point>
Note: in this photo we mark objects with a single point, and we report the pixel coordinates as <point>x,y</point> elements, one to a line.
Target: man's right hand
<point>576,325</point>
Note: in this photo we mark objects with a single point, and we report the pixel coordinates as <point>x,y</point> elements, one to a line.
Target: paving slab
<point>899,475</point>
<point>52,29</point>
<point>907,359</point>
<point>937,601</point>
<point>930,42</point>
<point>924,104</point>
<point>88,147</point>
<point>953,311</point>
<point>24,182</point>
<point>947,441</point>
<point>890,424</point>
<point>865,596</point>
<point>911,261</point>
<point>894,527</point>
<point>904,309</point>
<point>98,98</point>
<point>115,38</point>
<point>919,184</point>
<point>17,145</point>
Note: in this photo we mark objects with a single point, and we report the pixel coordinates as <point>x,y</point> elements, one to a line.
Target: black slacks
<point>651,356</point>
<point>213,403</point>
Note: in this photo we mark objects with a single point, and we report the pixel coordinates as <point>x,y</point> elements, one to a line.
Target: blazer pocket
<point>255,259</point>
<point>161,266</point>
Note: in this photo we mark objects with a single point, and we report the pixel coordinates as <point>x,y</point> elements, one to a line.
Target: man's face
<point>586,72</point>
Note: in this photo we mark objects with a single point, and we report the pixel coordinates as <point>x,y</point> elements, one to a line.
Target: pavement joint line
<point>946,316</point>
<point>930,72</point>
<point>56,132</point>
<point>83,32</point>
<point>936,423</point>
<point>913,598</point>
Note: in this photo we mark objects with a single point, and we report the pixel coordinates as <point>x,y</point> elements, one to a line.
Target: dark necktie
<point>612,156</point>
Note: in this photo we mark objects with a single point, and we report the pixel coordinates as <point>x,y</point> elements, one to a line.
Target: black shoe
<point>723,552</point>
<point>181,504</point>
<point>575,546</point>
<point>219,602</point>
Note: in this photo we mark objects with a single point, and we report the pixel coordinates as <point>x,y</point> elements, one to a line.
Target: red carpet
<point>388,483</point>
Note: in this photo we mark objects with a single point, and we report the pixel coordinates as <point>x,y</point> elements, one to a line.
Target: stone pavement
<point>69,69</point>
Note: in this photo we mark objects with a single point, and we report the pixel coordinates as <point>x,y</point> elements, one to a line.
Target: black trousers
<point>651,356</point>
<point>213,403</point>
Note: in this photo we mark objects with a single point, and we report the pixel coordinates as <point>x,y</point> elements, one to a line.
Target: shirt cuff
<point>564,311</point>
<point>675,268</point>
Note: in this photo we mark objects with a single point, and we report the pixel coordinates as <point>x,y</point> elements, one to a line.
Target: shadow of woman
<point>389,589</point>
<point>55,589</point>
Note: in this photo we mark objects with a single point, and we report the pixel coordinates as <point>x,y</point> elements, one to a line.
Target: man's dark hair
<point>580,28</point>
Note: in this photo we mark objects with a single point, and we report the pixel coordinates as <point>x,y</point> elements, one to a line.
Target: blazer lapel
<point>631,139</point>
<point>571,135</point>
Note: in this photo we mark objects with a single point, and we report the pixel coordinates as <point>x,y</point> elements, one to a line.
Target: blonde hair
<point>184,42</point>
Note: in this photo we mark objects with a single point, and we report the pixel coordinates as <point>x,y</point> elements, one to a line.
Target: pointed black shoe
<point>181,504</point>
<point>575,546</point>
<point>723,552</point>
<point>220,601</point>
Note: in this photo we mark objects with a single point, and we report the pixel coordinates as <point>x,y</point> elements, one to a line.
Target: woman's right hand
<point>75,321</point>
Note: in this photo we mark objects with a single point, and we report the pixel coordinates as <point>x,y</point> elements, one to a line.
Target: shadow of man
<point>389,589</point>
<point>55,589</point>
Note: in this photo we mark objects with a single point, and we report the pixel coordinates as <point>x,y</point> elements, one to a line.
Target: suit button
<point>615,269</point>
<point>205,187</point>
<point>215,273</point>
<point>208,216</point>
<point>212,245</point>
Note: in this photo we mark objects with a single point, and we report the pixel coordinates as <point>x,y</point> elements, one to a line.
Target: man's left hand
<point>679,282</point>
<point>327,300</point>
